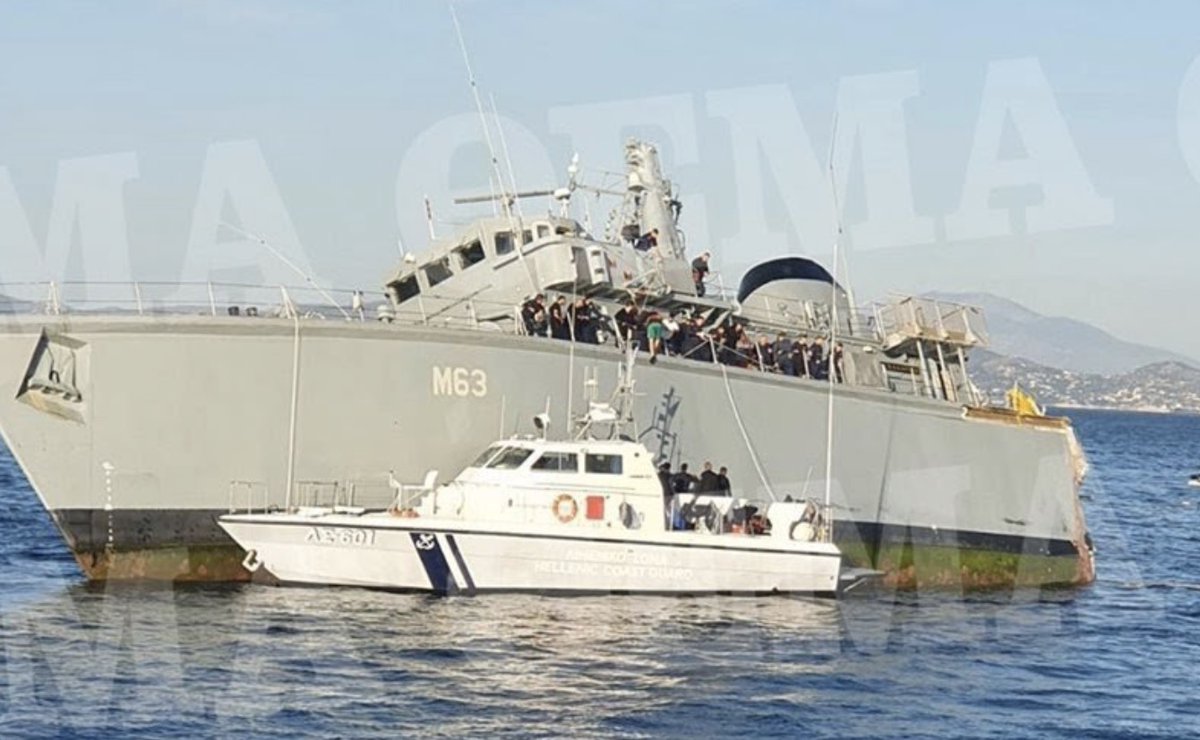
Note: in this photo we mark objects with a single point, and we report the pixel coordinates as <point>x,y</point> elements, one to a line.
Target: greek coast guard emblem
<point>425,541</point>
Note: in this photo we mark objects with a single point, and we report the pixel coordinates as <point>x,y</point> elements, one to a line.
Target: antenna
<point>512,178</point>
<point>429,218</point>
<point>833,325</point>
<point>495,177</point>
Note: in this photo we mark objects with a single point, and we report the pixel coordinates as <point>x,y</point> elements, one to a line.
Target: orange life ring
<point>565,508</point>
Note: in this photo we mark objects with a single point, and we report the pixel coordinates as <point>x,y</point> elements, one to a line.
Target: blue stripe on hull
<point>441,580</point>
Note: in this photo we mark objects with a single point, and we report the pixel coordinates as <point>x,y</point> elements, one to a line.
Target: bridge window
<point>543,231</point>
<point>558,462</point>
<point>510,459</point>
<point>469,254</point>
<point>606,464</point>
<point>526,236</point>
<point>504,242</point>
<point>488,454</point>
<point>439,271</point>
<point>406,288</point>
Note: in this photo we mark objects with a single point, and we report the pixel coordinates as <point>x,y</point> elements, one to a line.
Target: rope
<point>737,416</point>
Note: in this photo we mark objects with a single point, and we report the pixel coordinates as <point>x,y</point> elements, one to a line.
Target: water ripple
<point>1114,660</point>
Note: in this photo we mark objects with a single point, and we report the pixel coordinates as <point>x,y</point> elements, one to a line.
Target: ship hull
<point>448,557</point>
<point>187,545</point>
<point>168,422</point>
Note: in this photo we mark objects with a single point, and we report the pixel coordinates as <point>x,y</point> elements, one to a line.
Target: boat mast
<point>833,324</point>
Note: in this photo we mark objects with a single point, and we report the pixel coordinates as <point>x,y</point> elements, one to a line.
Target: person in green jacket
<point>655,331</point>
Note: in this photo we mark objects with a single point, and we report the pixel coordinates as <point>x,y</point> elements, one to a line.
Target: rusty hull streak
<point>200,564</point>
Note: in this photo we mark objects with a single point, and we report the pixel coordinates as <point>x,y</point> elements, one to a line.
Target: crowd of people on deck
<point>688,512</point>
<point>580,320</point>
<point>678,334</point>
<point>708,483</point>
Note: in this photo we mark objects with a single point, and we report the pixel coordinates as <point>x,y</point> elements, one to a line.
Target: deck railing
<point>892,324</point>
<point>915,317</point>
<point>156,298</point>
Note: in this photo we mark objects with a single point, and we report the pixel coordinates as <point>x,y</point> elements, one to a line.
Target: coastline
<point>1157,410</point>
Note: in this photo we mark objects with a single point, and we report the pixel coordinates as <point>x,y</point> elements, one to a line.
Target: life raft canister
<point>564,507</point>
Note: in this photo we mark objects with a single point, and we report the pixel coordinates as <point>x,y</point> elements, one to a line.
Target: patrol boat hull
<point>448,557</point>
<point>168,422</point>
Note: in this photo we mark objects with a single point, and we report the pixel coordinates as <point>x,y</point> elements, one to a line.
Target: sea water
<point>1115,659</point>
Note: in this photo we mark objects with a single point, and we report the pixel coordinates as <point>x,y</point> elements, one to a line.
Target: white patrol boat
<point>539,515</point>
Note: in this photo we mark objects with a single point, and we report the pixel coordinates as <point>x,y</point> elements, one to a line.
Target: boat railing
<point>254,496</point>
<point>320,494</point>
<point>248,496</point>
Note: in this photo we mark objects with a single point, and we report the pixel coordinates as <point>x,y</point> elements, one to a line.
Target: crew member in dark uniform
<point>529,311</point>
<point>816,360</point>
<point>723,487</point>
<point>700,272</point>
<point>766,354</point>
<point>664,477</point>
<point>704,349</point>
<point>540,326</point>
<point>580,316</point>
<point>558,319</point>
<point>647,241</point>
<point>783,355</point>
<point>683,481</point>
<point>689,340</point>
<point>627,320</point>
<point>708,480</point>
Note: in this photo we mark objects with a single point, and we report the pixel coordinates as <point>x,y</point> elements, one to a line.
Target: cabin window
<point>607,464</point>
<point>504,242</point>
<point>407,288</point>
<point>543,230</point>
<point>559,462</point>
<point>488,454</point>
<point>470,254</point>
<point>526,236</point>
<point>439,271</point>
<point>510,459</point>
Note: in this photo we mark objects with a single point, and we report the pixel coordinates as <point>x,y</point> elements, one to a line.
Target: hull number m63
<point>459,381</point>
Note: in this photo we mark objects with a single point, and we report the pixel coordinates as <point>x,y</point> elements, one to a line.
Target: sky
<point>1045,152</point>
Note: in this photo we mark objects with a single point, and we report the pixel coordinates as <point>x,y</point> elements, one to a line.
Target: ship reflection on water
<point>136,659</point>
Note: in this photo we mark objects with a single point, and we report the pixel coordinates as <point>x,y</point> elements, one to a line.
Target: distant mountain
<point>1159,386</point>
<point>8,304</point>
<point>1058,342</point>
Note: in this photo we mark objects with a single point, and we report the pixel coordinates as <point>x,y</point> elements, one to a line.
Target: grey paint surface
<point>175,409</point>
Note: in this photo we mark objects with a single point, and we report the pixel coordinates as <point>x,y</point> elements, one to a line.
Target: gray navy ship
<point>139,427</point>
